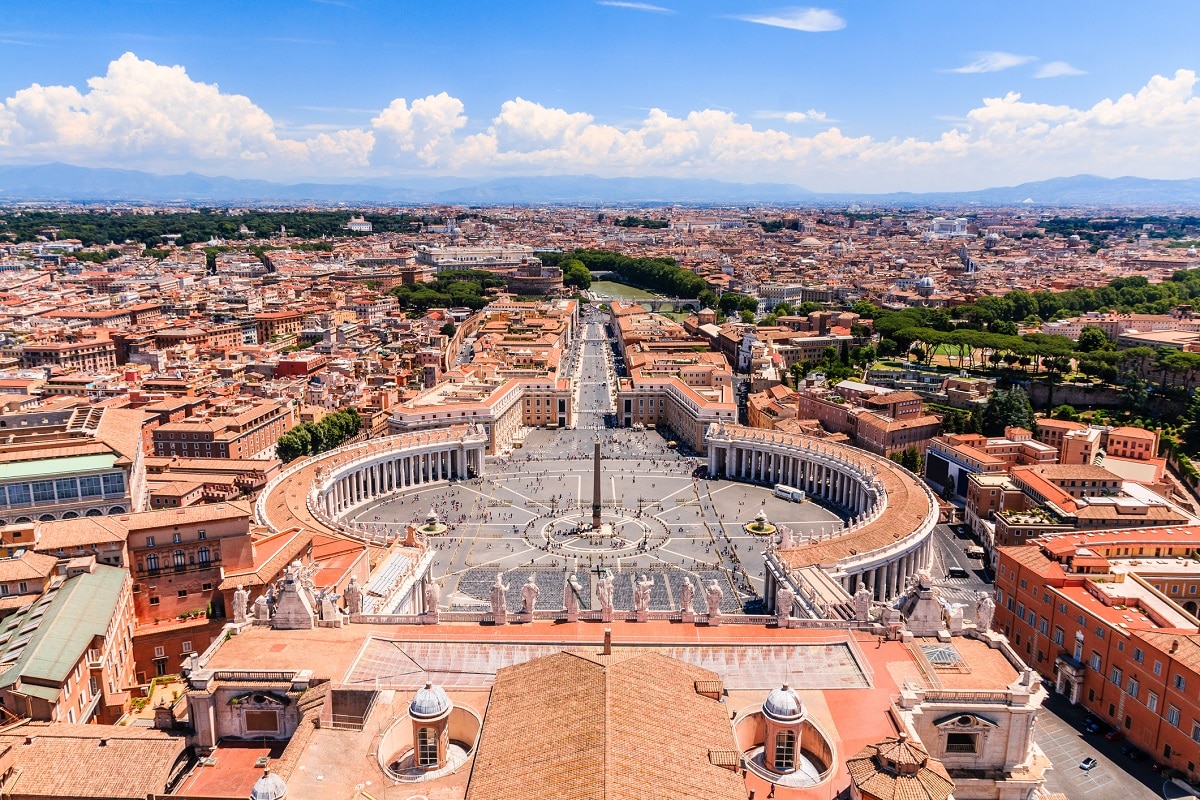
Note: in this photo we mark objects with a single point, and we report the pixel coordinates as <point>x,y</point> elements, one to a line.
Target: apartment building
<point>1111,619</point>
<point>952,457</point>
<point>95,354</point>
<point>242,428</point>
<point>68,657</point>
<point>880,420</point>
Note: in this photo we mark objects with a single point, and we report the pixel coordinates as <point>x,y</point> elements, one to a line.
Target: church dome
<point>783,705</point>
<point>430,702</point>
<point>269,787</point>
<point>926,282</point>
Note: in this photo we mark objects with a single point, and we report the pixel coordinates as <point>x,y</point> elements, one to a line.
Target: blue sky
<point>856,96</point>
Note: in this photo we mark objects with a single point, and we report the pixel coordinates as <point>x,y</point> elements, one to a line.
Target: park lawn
<point>611,290</point>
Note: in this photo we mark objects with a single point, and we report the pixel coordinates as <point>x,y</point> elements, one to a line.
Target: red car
<point>1113,735</point>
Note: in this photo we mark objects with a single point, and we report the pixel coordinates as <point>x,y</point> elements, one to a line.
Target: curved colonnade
<point>318,491</point>
<point>889,537</point>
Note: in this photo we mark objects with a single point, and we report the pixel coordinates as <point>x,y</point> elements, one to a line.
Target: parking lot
<point>1114,777</point>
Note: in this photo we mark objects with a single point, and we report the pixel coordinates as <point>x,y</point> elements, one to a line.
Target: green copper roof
<point>55,467</point>
<point>46,640</point>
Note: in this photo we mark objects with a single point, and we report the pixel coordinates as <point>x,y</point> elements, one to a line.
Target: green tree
<point>447,329</point>
<point>1005,408</point>
<point>1065,412</point>
<point>1092,339</point>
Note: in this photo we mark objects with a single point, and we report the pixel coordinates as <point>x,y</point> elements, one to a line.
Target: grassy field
<point>609,290</point>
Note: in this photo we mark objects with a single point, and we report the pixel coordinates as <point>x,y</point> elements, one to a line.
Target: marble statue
<point>262,610</point>
<point>241,599</point>
<point>500,596</point>
<point>326,609</point>
<point>985,610</point>
<point>687,593</point>
<point>641,595</point>
<point>786,541</point>
<point>433,594</point>
<point>529,595</point>
<point>571,590</point>
<point>353,596</point>
<point>713,596</point>
<point>783,600</point>
<point>862,603</point>
<point>604,592</point>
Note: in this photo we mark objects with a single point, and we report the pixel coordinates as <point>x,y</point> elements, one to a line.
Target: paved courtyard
<point>530,513</point>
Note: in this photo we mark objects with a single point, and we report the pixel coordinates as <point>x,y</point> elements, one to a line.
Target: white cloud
<point>143,115</point>
<point>423,131</point>
<point>795,117</point>
<point>810,20</point>
<point>157,117</point>
<point>994,61</point>
<point>635,6</point>
<point>1058,69</point>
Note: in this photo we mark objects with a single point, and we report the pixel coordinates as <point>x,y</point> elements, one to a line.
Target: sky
<point>859,96</point>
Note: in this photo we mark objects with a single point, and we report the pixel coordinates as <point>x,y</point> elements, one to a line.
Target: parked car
<point>1088,764</point>
<point>1113,735</point>
<point>1092,726</point>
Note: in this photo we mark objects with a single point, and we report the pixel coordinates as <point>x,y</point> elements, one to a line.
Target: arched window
<point>785,751</point>
<point>152,561</point>
<point>202,554</point>
<point>179,558</point>
<point>427,747</point>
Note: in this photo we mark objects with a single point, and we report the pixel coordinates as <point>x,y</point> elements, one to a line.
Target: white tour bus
<point>789,493</point>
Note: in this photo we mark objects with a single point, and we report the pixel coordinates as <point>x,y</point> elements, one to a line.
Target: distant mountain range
<point>65,183</point>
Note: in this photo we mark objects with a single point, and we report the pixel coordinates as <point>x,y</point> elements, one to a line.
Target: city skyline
<point>832,98</point>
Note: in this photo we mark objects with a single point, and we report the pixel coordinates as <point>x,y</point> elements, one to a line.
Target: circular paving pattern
<point>531,514</point>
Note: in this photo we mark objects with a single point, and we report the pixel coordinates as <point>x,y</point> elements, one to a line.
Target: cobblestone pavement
<point>525,515</point>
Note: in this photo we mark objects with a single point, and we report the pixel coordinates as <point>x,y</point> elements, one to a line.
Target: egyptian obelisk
<point>596,488</point>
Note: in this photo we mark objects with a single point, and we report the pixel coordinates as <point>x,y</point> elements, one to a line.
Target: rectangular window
<point>1115,675</point>
<point>1179,683</point>
<point>1095,661</point>
<point>1158,668</point>
<point>114,483</point>
<point>1152,701</point>
<point>149,541</point>
<point>1043,626</point>
<point>1138,655</point>
<point>1099,633</point>
<point>43,491</point>
<point>18,494</point>
<point>960,743</point>
<point>1131,687</point>
<point>187,647</point>
<point>159,652</point>
<point>89,486</point>
<point>153,601</point>
<point>22,587</point>
<point>67,488</point>
<point>1195,731</point>
<point>1173,716</point>
<point>182,593</point>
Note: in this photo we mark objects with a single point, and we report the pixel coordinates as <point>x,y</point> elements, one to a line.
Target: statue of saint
<point>862,603</point>
<point>641,595</point>
<point>571,590</point>
<point>241,599</point>
<point>604,592</point>
<point>529,595</point>
<point>433,594</point>
<point>985,610</point>
<point>353,596</point>
<point>783,600</point>
<point>786,541</point>
<point>687,593</point>
<point>499,596</point>
<point>713,596</point>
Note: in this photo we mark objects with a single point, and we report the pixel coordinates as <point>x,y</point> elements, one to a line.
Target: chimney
<point>102,743</point>
<point>1174,645</point>
<point>607,642</point>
